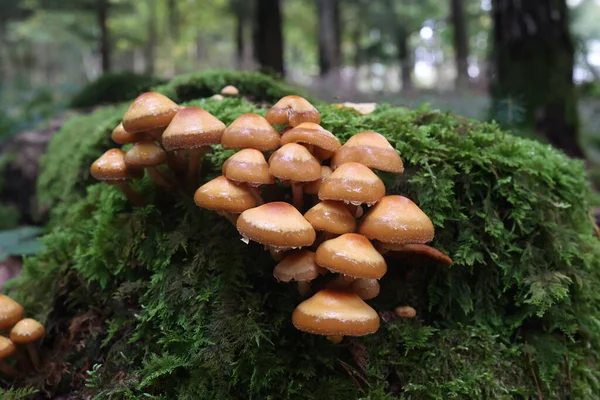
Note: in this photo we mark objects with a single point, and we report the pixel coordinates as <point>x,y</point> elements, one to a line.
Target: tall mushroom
<point>312,135</point>
<point>396,219</point>
<point>10,312</point>
<point>332,218</point>
<point>195,130</point>
<point>111,168</point>
<point>277,225</point>
<point>150,111</point>
<point>7,349</point>
<point>335,313</point>
<point>224,197</point>
<point>293,110</point>
<point>148,155</point>
<point>250,131</point>
<point>295,164</point>
<point>299,266</point>
<point>27,332</point>
<point>370,149</point>
<point>249,167</point>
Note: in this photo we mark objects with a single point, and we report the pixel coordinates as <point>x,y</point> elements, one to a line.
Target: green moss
<point>183,309</point>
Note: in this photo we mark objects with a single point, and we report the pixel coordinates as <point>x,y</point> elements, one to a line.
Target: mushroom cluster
<point>23,335</point>
<point>334,246</point>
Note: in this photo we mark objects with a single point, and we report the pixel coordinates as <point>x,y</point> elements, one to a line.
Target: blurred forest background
<point>533,66</point>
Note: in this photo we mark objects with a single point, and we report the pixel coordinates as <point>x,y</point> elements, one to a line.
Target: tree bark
<point>268,36</point>
<point>405,57</point>
<point>533,65</point>
<point>152,38</point>
<point>461,43</point>
<point>173,13</point>
<point>102,17</point>
<point>329,36</point>
<point>239,39</point>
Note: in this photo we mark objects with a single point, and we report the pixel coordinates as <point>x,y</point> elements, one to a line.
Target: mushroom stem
<point>174,162</point>
<point>276,254</point>
<point>335,339</point>
<point>24,363</point>
<point>33,354</point>
<point>353,209</point>
<point>256,194</point>
<point>323,237</point>
<point>195,164</point>
<point>304,289</point>
<point>311,149</point>
<point>230,216</point>
<point>8,369</point>
<point>158,177</point>
<point>297,195</point>
<point>135,198</point>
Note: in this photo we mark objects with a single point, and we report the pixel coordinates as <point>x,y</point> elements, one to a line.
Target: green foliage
<point>113,88</point>
<point>191,312</point>
<point>21,241</point>
<point>17,394</point>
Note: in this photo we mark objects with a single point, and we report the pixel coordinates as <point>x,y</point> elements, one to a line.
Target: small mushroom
<point>27,332</point>
<point>366,288</point>
<point>352,255</point>
<point>405,312</point>
<point>224,197</point>
<point>147,154</point>
<point>415,249</point>
<point>332,218</point>
<point>299,266</point>
<point>293,110</point>
<point>120,136</point>
<point>111,168</point>
<point>148,112</point>
<point>313,136</point>
<point>7,349</point>
<point>250,131</point>
<point>230,90</point>
<point>195,130</point>
<point>333,312</point>
<point>217,97</point>
<point>370,149</point>
<point>396,219</point>
<point>249,167</point>
<point>10,312</point>
<point>277,225</point>
<point>294,163</point>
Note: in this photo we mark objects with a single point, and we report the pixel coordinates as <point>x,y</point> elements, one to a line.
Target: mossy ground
<point>166,302</point>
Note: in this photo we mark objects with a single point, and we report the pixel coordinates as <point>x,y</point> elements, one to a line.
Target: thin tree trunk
<point>152,38</point>
<point>102,16</point>
<point>329,39</point>
<point>173,13</point>
<point>239,39</point>
<point>405,57</point>
<point>461,44</point>
<point>268,36</point>
<point>534,65</point>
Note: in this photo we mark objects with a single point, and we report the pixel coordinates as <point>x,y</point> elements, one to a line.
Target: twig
<point>537,384</point>
<point>345,366</point>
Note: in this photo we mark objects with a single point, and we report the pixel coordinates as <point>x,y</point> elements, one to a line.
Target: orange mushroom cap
<point>111,167</point>
<point>276,224</point>
<point>221,194</point>
<point>366,288</point>
<point>120,136</point>
<point>311,134</point>
<point>7,347</point>
<point>230,90</point>
<point>331,216</point>
<point>26,331</point>
<point>353,183</point>
<point>396,219</point>
<point>191,128</point>
<point>298,266</point>
<point>250,131</point>
<point>353,255</point>
<point>405,312</point>
<point>293,162</point>
<point>370,149</point>
<point>293,110</point>
<point>10,312</point>
<point>335,312</point>
<point>248,166</point>
<point>314,186</point>
<point>145,154</point>
<point>149,111</point>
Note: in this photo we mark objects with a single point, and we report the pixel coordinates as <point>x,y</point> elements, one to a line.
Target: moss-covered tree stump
<point>166,301</point>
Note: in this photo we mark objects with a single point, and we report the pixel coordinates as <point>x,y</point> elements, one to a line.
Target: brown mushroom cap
<point>293,162</point>
<point>335,312</point>
<point>7,347</point>
<point>418,249</point>
<point>10,312</point>
<point>145,154</point>
<point>149,111</point>
<point>276,224</point>
<point>396,219</point>
<point>353,183</point>
<point>248,166</point>
<point>230,90</point>
<point>312,134</point>
<point>331,216</point>
<point>120,136</point>
<point>111,167</point>
<point>370,149</point>
<point>366,289</point>
<point>26,331</point>
<point>293,110</point>
<point>191,128</point>
<point>353,255</point>
<point>314,186</point>
<point>405,312</point>
<point>299,266</point>
<point>250,131</point>
<point>221,194</point>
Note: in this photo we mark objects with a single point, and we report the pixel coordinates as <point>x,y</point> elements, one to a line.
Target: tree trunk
<point>268,36</point>
<point>329,36</point>
<point>405,57</point>
<point>239,39</point>
<point>152,38</point>
<point>533,66</point>
<point>173,13</point>
<point>461,43</point>
<point>102,16</point>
